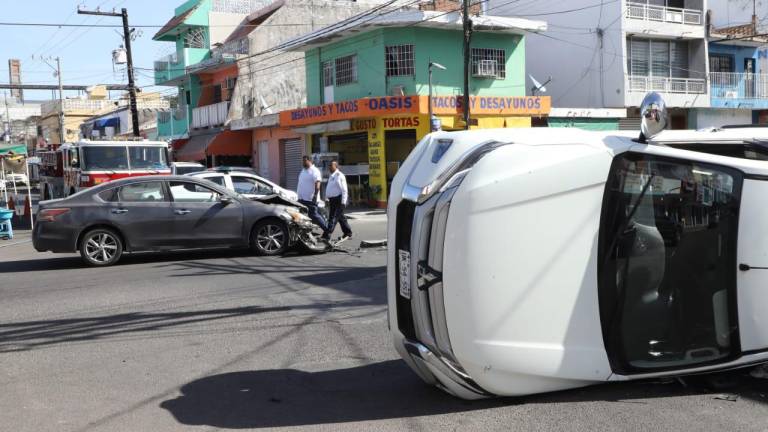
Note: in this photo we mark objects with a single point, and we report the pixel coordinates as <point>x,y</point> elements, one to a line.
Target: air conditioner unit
<point>731,95</point>
<point>486,68</point>
<point>398,90</point>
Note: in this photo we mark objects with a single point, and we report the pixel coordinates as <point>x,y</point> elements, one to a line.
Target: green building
<point>368,85</point>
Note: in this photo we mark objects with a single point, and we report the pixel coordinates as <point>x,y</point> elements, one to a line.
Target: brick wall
<point>449,5</point>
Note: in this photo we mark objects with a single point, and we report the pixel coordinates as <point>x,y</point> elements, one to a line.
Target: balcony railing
<point>732,85</point>
<point>667,85</point>
<point>664,14</point>
<point>210,115</point>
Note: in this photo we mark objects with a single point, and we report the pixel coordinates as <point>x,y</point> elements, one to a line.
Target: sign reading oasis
<point>374,107</point>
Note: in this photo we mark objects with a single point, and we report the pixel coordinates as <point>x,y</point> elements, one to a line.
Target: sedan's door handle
<point>182,211</point>
<point>119,211</point>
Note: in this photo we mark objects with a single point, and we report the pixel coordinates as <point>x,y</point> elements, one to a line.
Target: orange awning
<point>230,143</point>
<point>224,143</point>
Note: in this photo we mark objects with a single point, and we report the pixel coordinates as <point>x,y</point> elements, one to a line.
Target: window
<point>189,192</point>
<point>105,158</point>
<point>346,70</point>
<point>142,192</point>
<point>489,63</point>
<point>195,38</point>
<point>219,180</point>
<point>327,74</point>
<point>662,59</point>
<point>147,157</point>
<point>399,60</point>
<point>720,63</point>
<point>667,263</point>
<point>217,93</point>
<point>108,195</point>
<point>248,185</point>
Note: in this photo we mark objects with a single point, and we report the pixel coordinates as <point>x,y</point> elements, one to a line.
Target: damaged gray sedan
<point>158,213</point>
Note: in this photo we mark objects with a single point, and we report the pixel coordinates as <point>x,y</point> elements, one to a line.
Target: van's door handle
<point>182,211</point>
<point>119,211</point>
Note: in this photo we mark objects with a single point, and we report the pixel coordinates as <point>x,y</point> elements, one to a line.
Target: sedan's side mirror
<point>225,199</point>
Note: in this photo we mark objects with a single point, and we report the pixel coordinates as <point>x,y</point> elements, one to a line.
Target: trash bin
<point>6,230</point>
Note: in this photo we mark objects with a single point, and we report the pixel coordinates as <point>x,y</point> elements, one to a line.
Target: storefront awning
<point>16,149</point>
<point>224,143</point>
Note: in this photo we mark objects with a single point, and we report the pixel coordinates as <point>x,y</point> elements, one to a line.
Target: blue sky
<point>85,52</point>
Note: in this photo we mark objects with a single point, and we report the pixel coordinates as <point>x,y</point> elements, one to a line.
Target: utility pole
<point>131,83</point>
<point>57,73</point>
<point>62,132</point>
<point>467,38</point>
<point>9,131</point>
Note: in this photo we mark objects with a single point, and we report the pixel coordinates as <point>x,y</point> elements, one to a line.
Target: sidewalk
<point>366,214</point>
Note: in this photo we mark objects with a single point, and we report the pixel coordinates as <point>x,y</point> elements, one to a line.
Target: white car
<point>245,183</point>
<point>17,178</point>
<point>182,168</point>
<point>524,261</point>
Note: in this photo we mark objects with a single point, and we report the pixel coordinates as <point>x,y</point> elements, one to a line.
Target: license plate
<point>405,273</point>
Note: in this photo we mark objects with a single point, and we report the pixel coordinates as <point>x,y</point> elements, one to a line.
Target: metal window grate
<point>346,70</point>
<point>399,60</point>
<point>489,62</point>
<point>327,74</point>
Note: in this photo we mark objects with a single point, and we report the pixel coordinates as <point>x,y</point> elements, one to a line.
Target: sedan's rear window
<point>142,192</point>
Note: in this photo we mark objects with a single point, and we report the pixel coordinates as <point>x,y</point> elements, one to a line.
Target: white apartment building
<point>610,55</point>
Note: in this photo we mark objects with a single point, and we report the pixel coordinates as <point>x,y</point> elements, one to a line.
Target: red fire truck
<point>75,166</point>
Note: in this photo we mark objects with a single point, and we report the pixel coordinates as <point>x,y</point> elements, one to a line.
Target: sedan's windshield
<point>668,259</point>
<point>105,158</point>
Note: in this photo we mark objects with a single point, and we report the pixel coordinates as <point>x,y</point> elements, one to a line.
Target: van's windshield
<point>667,263</point>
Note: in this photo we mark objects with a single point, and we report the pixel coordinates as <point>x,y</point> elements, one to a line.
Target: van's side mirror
<point>225,199</point>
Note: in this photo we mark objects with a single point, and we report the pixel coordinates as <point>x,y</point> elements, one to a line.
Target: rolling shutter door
<point>293,150</point>
<point>630,124</point>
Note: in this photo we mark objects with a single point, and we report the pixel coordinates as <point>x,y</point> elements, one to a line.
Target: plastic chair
<point>6,230</point>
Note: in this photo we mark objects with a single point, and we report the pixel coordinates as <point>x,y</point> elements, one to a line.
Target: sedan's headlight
<point>295,215</point>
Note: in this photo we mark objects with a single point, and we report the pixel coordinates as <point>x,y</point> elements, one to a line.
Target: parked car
<point>17,178</point>
<point>182,168</point>
<point>245,182</point>
<point>154,213</point>
<point>524,261</point>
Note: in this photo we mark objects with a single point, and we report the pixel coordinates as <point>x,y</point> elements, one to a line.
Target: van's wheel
<point>270,237</point>
<point>101,247</point>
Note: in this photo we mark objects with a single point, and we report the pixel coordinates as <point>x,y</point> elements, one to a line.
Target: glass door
<point>667,264</point>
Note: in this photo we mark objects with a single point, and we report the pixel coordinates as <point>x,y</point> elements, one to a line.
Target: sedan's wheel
<point>101,247</point>
<point>270,237</point>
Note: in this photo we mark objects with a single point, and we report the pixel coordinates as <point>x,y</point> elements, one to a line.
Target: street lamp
<point>433,124</point>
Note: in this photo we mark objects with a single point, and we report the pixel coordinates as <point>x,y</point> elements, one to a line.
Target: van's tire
<point>270,237</point>
<point>101,247</point>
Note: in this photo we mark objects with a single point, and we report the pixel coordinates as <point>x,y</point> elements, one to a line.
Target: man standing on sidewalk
<point>338,196</point>
<point>308,190</point>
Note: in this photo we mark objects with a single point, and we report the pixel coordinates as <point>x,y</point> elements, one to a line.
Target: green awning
<point>13,148</point>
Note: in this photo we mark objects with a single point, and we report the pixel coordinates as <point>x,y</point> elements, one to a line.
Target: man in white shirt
<point>338,197</point>
<point>308,190</point>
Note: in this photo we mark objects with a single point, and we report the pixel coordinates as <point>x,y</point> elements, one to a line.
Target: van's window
<point>667,263</point>
<point>753,151</point>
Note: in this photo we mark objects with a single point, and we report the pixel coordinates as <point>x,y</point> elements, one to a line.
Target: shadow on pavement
<point>67,261</point>
<point>289,397</point>
<point>28,335</point>
<point>385,390</point>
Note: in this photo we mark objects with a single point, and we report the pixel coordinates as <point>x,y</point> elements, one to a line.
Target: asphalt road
<point>225,340</point>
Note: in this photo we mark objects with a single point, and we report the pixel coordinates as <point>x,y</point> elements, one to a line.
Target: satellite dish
<point>653,116</point>
<point>537,85</point>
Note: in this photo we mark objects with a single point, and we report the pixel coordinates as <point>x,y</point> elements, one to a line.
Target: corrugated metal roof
<point>174,22</point>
